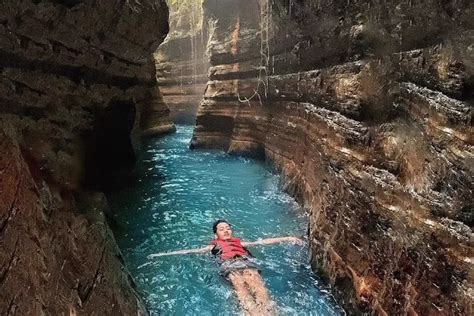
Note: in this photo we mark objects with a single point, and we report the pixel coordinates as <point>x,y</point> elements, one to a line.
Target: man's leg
<point>259,290</point>
<point>245,297</point>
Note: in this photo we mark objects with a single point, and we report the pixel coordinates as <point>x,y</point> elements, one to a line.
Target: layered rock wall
<point>77,88</point>
<point>181,61</point>
<point>366,108</point>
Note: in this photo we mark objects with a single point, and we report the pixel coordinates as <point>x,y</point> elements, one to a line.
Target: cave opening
<point>109,148</point>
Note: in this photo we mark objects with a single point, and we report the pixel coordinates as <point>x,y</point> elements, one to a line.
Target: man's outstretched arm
<point>182,252</point>
<point>271,241</point>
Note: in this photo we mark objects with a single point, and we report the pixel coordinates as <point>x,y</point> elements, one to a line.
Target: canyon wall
<point>78,88</point>
<point>366,109</point>
<point>181,61</point>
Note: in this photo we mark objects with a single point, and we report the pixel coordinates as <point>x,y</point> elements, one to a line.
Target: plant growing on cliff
<point>186,14</point>
<point>179,3</point>
<point>264,67</point>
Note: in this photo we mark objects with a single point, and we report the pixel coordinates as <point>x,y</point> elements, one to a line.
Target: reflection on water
<point>175,196</point>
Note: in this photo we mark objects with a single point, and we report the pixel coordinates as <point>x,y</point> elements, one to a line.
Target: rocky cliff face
<point>366,108</point>
<point>77,87</point>
<point>181,61</point>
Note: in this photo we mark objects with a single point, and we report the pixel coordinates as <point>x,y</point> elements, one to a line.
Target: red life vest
<point>230,248</point>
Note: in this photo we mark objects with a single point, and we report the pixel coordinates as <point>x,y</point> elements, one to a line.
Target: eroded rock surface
<point>77,88</point>
<point>181,61</point>
<point>366,108</point>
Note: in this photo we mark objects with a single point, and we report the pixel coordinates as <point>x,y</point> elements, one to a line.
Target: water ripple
<point>178,195</point>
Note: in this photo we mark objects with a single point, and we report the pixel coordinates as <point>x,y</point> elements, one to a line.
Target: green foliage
<point>176,4</point>
<point>186,15</point>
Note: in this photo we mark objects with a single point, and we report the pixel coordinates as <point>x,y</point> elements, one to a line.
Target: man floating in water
<point>238,266</point>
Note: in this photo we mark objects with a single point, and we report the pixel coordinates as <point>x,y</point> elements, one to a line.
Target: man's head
<point>222,229</point>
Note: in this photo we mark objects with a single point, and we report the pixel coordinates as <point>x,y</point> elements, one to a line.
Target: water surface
<point>170,203</point>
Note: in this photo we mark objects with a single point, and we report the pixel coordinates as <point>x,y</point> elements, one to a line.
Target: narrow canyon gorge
<point>365,108</point>
<point>182,63</point>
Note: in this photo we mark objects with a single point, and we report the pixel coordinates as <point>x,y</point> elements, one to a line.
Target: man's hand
<point>296,240</point>
<point>181,252</point>
<point>271,241</point>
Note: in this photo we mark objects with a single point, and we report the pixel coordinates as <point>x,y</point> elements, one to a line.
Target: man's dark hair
<point>214,226</point>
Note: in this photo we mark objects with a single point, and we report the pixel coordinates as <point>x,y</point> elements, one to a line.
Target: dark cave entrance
<point>108,146</point>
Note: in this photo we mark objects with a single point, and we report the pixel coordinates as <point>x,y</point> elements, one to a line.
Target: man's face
<point>223,231</point>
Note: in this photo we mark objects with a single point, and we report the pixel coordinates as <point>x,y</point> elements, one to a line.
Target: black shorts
<point>237,264</point>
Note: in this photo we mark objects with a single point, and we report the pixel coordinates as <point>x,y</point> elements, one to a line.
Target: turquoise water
<point>170,202</point>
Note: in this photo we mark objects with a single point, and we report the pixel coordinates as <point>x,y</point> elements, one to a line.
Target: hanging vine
<point>264,67</point>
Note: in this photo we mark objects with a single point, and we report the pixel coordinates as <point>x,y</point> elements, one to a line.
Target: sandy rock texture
<point>366,108</point>
<point>77,89</point>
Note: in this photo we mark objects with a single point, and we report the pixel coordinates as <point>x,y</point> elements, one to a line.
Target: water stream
<point>170,202</point>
